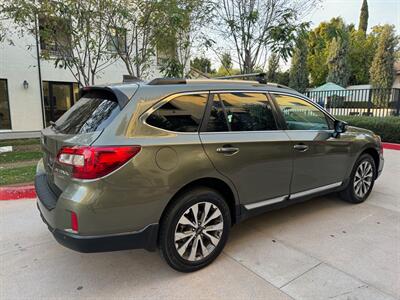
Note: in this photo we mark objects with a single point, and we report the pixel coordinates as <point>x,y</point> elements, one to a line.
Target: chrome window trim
<point>266,202</point>
<point>315,190</point>
<point>241,132</point>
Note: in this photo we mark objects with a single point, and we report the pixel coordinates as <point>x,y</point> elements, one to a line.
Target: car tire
<point>361,180</point>
<point>189,243</point>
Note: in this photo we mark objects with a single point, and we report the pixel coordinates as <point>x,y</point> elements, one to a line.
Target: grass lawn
<point>19,166</point>
<point>17,175</point>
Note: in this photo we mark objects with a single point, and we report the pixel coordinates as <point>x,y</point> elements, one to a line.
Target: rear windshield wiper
<point>53,124</point>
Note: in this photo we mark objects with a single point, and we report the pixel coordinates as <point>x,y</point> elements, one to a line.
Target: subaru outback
<point>172,164</point>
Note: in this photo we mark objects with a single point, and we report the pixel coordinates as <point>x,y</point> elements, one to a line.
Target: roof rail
<point>260,77</point>
<point>164,81</point>
<point>280,85</point>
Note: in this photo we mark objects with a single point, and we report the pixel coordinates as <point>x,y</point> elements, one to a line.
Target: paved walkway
<point>321,249</point>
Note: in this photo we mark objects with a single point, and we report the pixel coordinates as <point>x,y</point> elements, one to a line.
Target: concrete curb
<point>17,192</point>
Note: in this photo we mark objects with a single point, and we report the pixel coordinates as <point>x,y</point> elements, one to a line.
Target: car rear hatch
<point>81,125</point>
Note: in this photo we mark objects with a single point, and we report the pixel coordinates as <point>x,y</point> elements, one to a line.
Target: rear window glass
<point>92,112</point>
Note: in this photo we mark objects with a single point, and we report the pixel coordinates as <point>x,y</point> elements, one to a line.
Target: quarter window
<point>241,112</point>
<point>301,115</point>
<point>183,113</point>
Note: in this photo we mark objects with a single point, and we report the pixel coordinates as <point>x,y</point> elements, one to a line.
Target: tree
<point>273,67</point>
<point>363,23</point>
<point>177,27</point>
<point>73,32</point>
<point>253,27</point>
<point>203,64</point>
<point>226,60</point>
<point>381,72</point>
<point>318,48</point>
<point>361,52</point>
<point>298,75</point>
<point>338,61</point>
<point>283,77</point>
<point>132,41</point>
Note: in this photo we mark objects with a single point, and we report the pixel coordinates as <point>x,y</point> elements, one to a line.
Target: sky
<point>380,12</point>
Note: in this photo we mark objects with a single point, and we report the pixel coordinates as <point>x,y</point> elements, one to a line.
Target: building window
<point>58,98</point>
<point>117,40</point>
<point>5,121</point>
<point>54,36</point>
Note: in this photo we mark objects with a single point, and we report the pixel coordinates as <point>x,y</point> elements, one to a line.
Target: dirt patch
<point>18,164</point>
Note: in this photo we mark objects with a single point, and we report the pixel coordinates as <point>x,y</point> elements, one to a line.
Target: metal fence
<point>359,102</point>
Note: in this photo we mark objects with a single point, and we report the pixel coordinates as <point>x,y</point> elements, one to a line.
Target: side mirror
<point>340,127</point>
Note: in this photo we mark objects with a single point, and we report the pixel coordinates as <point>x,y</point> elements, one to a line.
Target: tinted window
<point>244,112</point>
<point>91,113</point>
<point>182,114</point>
<point>301,115</point>
<point>217,120</point>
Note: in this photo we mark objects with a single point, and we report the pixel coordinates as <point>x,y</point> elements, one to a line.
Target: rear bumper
<point>143,239</point>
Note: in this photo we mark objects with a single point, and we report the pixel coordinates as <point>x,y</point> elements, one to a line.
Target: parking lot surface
<point>320,249</point>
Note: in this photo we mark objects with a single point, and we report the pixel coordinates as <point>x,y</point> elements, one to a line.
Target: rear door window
<point>182,114</point>
<point>241,111</point>
<point>93,112</point>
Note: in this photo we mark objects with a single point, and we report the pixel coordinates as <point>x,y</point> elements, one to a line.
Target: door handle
<point>301,147</point>
<point>228,150</point>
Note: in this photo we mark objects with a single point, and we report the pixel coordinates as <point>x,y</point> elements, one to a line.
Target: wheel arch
<point>375,155</point>
<point>228,192</point>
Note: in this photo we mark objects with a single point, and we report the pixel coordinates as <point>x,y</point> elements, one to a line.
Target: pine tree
<point>338,61</point>
<point>273,67</point>
<point>363,23</point>
<point>381,72</point>
<point>298,76</point>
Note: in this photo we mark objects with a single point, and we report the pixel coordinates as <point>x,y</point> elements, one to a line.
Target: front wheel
<point>362,180</point>
<point>194,229</point>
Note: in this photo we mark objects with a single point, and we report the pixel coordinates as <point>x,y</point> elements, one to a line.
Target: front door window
<point>301,115</point>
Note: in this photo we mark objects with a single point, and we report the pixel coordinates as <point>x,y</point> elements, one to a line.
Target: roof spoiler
<point>121,97</point>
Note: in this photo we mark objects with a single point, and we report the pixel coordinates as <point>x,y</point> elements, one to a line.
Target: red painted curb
<point>391,146</point>
<point>17,192</point>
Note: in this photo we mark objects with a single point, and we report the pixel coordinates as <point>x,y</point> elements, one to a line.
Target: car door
<point>241,138</point>
<point>321,160</point>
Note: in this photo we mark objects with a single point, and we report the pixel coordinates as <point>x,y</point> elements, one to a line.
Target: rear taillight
<point>93,162</point>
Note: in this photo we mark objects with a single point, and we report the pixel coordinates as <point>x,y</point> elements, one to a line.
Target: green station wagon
<point>172,164</point>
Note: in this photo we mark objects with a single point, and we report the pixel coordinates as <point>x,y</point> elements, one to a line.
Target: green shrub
<point>387,127</point>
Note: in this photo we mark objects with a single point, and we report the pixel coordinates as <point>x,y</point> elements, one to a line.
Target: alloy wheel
<point>363,179</point>
<point>199,230</point>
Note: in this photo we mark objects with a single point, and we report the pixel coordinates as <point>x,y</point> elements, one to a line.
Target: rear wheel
<point>361,180</point>
<point>194,230</point>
